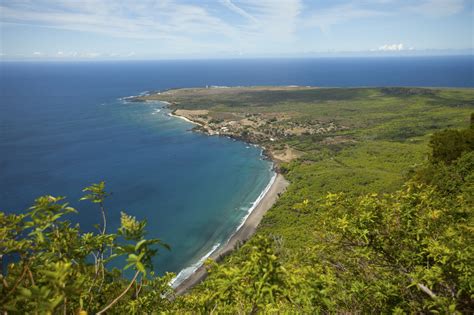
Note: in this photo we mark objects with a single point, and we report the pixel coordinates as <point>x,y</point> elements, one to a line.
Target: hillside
<point>328,141</point>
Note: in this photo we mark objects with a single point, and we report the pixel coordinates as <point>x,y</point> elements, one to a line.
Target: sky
<point>174,29</point>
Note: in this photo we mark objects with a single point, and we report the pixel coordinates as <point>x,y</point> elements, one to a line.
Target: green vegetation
<point>449,145</point>
<point>364,114</point>
<point>53,267</point>
<point>404,251</point>
<point>378,217</point>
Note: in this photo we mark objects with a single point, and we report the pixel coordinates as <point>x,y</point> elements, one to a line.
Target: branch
<point>65,306</point>
<point>4,280</point>
<point>138,289</point>
<point>31,275</point>
<point>121,294</point>
<point>17,282</point>
<point>102,209</point>
<point>426,290</point>
<point>404,270</point>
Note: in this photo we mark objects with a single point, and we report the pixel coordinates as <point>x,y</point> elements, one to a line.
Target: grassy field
<point>366,121</point>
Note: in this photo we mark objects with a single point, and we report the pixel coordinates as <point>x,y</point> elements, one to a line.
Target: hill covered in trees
<point>403,251</point>
<point>378,216</point>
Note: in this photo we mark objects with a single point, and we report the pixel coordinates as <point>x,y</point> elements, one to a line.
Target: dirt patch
<point>191,113</point>
<point>337,140</point>
<point>286,155</point>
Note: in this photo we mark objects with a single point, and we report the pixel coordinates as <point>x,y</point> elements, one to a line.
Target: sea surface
<point>66,125</point>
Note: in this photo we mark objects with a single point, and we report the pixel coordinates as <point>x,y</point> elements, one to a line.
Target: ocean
<point>65,125</point>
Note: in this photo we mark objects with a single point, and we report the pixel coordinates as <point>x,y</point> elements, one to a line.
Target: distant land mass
<point>289,121</point>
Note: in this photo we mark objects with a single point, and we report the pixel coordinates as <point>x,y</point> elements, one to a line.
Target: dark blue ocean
<point>64,126</point>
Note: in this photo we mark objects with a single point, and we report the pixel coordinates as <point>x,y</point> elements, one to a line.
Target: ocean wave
<point>186,272</point>
<point>183,118</point>
<point>256,202</point>
<point>218,87</point>
<point>127,98</point>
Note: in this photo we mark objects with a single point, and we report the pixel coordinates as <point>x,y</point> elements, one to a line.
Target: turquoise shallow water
<point>58,137</point>
<point>207,189</point>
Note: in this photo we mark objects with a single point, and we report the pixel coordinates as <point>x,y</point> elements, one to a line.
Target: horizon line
<point>214,58</point>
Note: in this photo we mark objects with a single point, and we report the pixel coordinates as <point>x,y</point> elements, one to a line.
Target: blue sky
<point>163,29</point>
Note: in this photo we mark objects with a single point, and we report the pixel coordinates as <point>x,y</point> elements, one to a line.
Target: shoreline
<point>242,234</point>
<point>276,186</point>
<point>184,118</point>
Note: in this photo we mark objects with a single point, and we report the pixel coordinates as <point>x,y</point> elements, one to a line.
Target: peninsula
<point>290,122</point>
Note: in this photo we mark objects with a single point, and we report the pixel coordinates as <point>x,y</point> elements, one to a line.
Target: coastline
<point>184,118</point>
<point>244,231</point>
<point>242,234</point>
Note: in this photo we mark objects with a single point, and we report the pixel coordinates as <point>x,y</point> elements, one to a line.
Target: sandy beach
<point>183,117</point>
<point>247,229</point>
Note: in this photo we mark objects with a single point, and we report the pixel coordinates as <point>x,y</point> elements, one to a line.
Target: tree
<point>51,266</point>
<point>405,251</point>
<point>258,283</point>
<point>448,145</point>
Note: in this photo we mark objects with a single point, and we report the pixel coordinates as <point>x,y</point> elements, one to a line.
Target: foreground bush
<point>51,266</point>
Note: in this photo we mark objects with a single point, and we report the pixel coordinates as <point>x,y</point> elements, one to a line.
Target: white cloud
<point>265,19</point>
<point>91,55</point>
<point>143,19</point>
<point>230,5</point>
<point>438,8</point>
<point>363,9</point>
<point>338,14</point>
<point>37,53</point>
<point>393,47</point>
<point>179,25</point>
